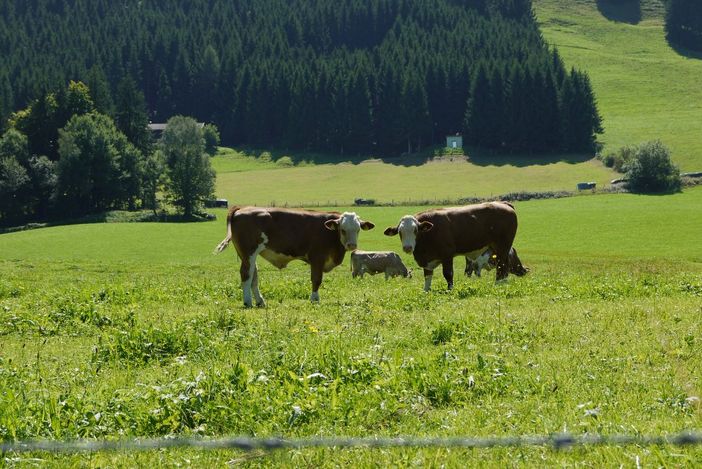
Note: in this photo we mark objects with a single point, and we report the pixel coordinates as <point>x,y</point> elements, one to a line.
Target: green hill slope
<point>645,89</point>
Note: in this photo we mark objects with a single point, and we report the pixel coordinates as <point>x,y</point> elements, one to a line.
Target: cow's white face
<point>349,225</point>
<point>408,229</point>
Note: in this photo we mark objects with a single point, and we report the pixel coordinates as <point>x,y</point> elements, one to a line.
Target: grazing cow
<point>279,235</point>
<point>437,236</point>
<point>487,261</point>
<point>478,263</point>
<point>374,262</point>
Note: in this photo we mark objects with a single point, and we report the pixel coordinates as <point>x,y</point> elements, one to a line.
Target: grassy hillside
<point>138,330</point>
<point>645,89</point>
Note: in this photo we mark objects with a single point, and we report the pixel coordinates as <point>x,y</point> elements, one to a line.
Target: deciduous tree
<point>190,176</point>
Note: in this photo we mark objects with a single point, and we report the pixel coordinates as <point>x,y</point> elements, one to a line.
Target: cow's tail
<point>225,242</point>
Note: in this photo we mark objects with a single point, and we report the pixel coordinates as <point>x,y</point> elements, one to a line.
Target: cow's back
<point>461,230</point>
<point>292,233</point>
<point>374,261</point>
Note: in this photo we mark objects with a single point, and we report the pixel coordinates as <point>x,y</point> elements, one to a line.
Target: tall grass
<point>137,330</point>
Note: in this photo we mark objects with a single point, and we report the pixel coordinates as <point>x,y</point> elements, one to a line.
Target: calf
<point>436,236</point>
<point>280,235</point>
<point>487,261</point>
<point>374,262</point>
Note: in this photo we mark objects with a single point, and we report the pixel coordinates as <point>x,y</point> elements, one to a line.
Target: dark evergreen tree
<point>6,100</point>
<point>478,129</point>
<point>269,72</point>
<point>579,116</point>
<point>684,23</point>
<point>97,83</point>
<point>130,115</point>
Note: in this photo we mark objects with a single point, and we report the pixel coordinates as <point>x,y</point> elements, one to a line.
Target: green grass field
<point>391,181</point>
<point>135,329</point>
<point>645,89</point>
<point>129,329</point>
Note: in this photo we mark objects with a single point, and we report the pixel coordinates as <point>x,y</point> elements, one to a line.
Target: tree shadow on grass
<point>684,51</point>
<point>302,158</point>
<point>113,216</point>
<point>481,157</point>
<point>477,156</point>
<point>621,11</point>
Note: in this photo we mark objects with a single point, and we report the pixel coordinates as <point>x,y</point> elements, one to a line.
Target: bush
<point>651,170</point>
<point>211,135</point>
<point>620,159</point>
<point>285,162</point>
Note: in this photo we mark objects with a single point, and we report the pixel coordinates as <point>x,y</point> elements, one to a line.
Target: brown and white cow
<point>487,260</point>
<point>280,235</point>
<point>436,236</point>
<point>374,262</point>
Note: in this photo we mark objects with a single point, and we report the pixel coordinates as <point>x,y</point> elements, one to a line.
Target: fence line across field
<point>556,441</point>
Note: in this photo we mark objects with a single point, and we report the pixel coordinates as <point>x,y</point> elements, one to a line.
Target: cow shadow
<point>621,11</point>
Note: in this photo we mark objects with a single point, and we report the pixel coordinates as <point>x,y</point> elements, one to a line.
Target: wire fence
<point>556,442</point>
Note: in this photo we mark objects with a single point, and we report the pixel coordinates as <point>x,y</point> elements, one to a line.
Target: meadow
<point>136,329</point>
<point>119,330</point>
<point>645,88</point>
<point>244,178</point>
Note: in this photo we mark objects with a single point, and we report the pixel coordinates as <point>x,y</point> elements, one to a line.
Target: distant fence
<point>509,197</point>
<point>556,442</point>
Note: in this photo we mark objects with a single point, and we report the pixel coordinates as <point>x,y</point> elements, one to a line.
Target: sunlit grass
<point>113,330</point>
<point>645,89</point>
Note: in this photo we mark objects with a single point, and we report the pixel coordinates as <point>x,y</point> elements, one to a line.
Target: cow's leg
<point>515,265</point>
<point>316,277</point>
<point>428,274</point>
<point>254,286</point>
<point>469,267</point>
<point>502,264</point>
<point>246,270</point>
<point>447,268</point>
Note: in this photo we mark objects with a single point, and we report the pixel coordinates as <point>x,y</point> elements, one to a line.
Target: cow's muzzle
<point>408,249</point>
<point>350,246</point>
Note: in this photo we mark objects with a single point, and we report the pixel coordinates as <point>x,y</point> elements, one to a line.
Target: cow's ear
<point>426,226</point>
<point>391,231</point>
<point>366,225</point>
<point>332,225</point>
